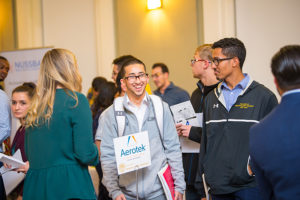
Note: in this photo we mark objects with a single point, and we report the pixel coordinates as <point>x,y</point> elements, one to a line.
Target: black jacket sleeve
<point>198,181</point>
<point>195,134</point>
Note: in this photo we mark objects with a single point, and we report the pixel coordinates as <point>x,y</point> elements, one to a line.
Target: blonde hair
<point>58,68</point>
<point>204,51</point>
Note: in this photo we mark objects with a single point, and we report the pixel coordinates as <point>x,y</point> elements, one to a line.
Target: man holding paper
<point>140,117</point>
<point>202,70</point>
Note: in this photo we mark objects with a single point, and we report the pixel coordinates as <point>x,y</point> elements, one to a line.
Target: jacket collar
<point>126,100</point>
<point>218,90</point>
<point>206,89</point>
<point>220,96</point>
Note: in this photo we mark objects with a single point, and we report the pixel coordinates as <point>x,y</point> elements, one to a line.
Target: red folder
<point>167,182</point>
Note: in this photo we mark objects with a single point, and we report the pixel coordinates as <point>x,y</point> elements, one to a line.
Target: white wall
<point>70,24</point>
<point>105,35</point>
<point>265,26</point>
<point>29,24</point>
<point>86,28</point>
<point>218,20</point>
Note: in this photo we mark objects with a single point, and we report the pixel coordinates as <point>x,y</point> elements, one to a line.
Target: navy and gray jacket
<point>224,150</point>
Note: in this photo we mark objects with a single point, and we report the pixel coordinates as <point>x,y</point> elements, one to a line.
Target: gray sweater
<point>149,183</point>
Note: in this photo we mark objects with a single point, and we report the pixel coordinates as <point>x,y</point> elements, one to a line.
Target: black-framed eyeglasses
<point>156,75</point>
<point>217,61</point>
<point>132,78</point>
<point>193,61</point>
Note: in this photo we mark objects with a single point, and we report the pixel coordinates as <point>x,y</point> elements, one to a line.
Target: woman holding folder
<point>58,140</point>
<point>20,102</point>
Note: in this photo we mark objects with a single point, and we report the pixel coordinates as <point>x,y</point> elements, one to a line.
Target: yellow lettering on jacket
<point>244,105</point>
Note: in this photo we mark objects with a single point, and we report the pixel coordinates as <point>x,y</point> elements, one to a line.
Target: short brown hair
<point>204,51</point>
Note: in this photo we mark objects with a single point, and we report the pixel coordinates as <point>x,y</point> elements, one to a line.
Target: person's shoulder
<point>270,121</point>
<point>71,98</point>
<point>196,94</point>
<point>183,91</point>
<point>156,92</point>
<point>77,98</point>
<point>81,97</point>
<point>3,96</point>
<point>180,91</point>
<point>71,95</point>
<point>196,91</point>
<point>108,113</point>
<point>165,105</point>
<point>156,99</point>
<point>213,93</point>
<point>2,93</point>
<point>262,88</point>
<point>263,94</point>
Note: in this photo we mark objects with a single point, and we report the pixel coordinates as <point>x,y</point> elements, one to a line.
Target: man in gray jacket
<point>140,116</point>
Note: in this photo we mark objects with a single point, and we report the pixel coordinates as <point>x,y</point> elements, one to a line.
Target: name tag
<point>132,152</point>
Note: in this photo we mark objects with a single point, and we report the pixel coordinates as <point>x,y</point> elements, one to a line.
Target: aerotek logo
<point>244,105</point>
<point>136,148</point>
<point>131,141</point>
<point>216,105</point>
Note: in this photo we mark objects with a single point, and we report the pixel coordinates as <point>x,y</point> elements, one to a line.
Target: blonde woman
<point>58,140</point>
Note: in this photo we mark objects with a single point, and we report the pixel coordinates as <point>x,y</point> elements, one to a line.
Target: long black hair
<point>105,97</point>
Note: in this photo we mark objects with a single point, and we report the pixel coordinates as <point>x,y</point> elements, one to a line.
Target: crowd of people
<point>249,145</point>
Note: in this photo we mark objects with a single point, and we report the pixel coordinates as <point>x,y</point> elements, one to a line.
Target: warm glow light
<point>153,4</point>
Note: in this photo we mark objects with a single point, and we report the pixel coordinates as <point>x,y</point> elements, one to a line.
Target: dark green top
<point>59,152</point>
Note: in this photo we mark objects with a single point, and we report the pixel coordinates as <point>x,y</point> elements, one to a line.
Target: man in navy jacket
<point>275,141</point>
